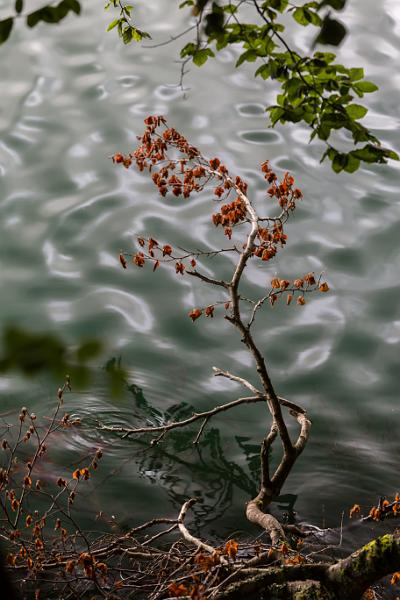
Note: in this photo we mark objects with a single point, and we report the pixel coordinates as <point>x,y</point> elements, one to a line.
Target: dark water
<point>71,96</point>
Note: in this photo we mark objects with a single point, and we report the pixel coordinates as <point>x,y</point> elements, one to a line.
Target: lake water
<point>71,96</point>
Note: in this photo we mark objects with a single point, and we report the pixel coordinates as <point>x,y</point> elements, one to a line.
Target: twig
<point>161,533</point>
<point>220,283</point>
<point>172,38</point>
<point>241,380</point>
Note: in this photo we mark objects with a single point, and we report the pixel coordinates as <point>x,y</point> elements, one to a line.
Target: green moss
<point>371,559</point>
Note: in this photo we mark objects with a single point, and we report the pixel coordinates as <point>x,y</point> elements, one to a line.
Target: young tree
<point>252,237</point>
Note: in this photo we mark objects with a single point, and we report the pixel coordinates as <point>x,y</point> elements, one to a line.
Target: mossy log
<point>347,579</point>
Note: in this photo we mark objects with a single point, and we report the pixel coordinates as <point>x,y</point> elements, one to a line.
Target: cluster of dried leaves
<point>385,509</point>
<point>188,171</point>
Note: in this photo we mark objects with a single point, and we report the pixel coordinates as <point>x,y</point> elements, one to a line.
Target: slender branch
<point>169,426</point>
<point>257,305</point>
<point>172,38</point>
<point>291,405</point>
<point>160,534</point>
<point>241,380</point>
<point>305,426</point>
<point>207,279</point>
<point>288,460</point>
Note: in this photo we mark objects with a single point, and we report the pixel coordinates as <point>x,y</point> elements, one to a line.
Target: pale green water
<point>71,96</point>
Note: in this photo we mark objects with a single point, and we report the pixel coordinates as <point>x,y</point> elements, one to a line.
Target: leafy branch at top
<point>314,90</point>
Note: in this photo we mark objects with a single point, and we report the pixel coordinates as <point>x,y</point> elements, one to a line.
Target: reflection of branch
<point>162,429</point>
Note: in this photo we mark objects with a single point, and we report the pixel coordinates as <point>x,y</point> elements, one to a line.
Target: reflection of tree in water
<point>185,470</point>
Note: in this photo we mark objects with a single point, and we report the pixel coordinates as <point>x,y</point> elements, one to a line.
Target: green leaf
<point>391,154</point>
<point>352,163</point>
<point>323,131</point>
<point>281,99</point>
<point>5,29</point>
<point>275,113</point>
<point>305,17</point>
<point>339,162</point>
<point>279,5</point>
<point>201,56</point>
<point>215,23</point>
<point>294,88</point>
<point>53,14</point>
<point>19,6</point>
<point>199,6</point>
<point>128,10</point>
<point>33,18</point>
<point>263,71</point>
<point>138,35</point>
<point>249,56</point>
<point>356,74</point>
<point>188,50</point>
<point>127,35</point>
<point>366,87</point>
<point>356,111</point>
<point>74,5</point>
<point>332,32</point>
<point>113,24</point>
<point>372,154</point>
